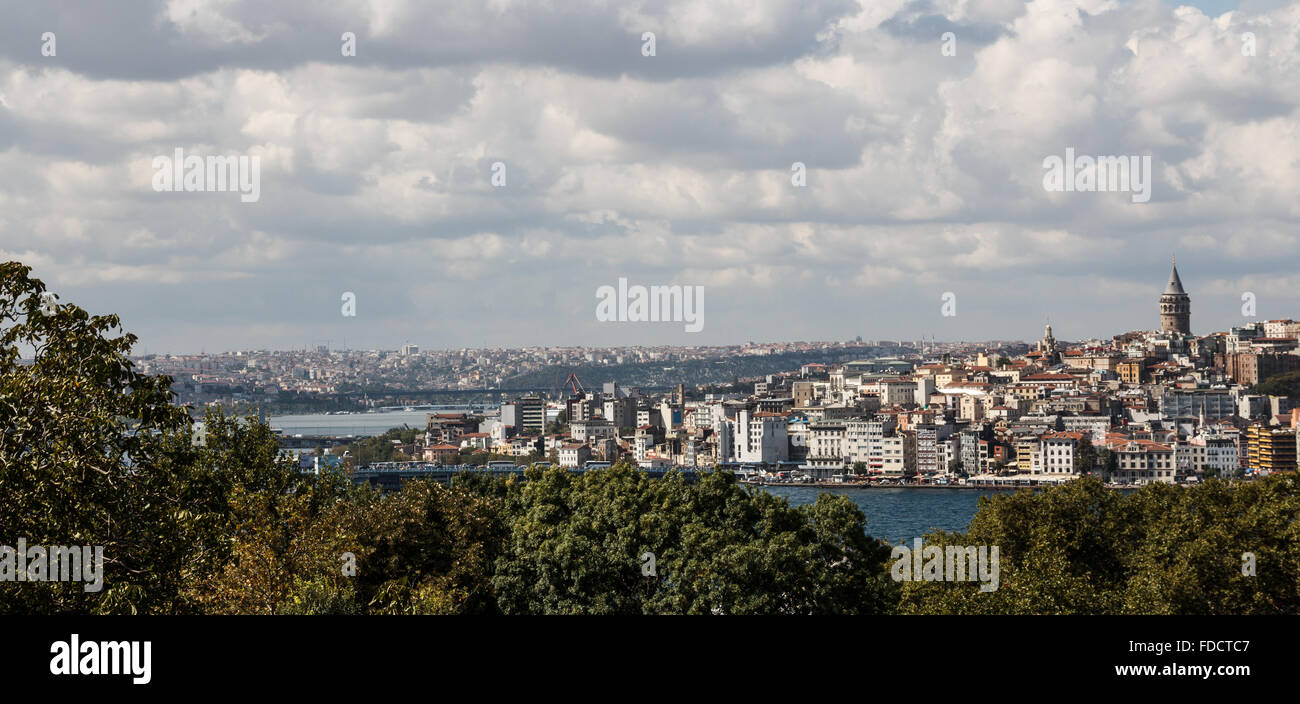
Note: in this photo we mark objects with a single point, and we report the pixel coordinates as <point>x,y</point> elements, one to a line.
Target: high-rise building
<point>532,413</point>
<point>1175,306</point>
<point>1270,449</point>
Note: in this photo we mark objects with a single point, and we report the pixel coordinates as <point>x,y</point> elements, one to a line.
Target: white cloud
<point>923,171</point>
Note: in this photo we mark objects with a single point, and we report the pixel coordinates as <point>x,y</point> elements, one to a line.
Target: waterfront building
<point>1058,451</point>
<point>897,456</point>
<point>826,453</point>
<point>1144,462</point>
<point>760,437</point>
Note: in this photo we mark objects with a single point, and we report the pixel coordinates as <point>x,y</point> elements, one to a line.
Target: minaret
<point>1175,305</point>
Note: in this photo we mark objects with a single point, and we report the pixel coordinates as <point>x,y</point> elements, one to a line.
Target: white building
<point>826,443</point>
<point>590,430</point>
<point>1216,453</point>
<point>761,437</point>
<point>897,392</point>
<point>1057,451</point>
<point>1144,462</point>
<point>897,455</point>
<point>573,454</point>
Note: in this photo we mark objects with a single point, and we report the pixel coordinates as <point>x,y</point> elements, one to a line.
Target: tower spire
<point>1175,305</point>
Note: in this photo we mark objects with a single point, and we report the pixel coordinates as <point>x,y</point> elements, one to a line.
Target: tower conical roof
<point>1175,285</point>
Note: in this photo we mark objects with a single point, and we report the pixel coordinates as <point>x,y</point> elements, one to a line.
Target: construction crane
<point>573,383</point>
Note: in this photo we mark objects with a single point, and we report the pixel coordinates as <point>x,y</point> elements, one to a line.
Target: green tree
<point>429,549</point>
<point>85,457</point>
<point>1284,384</point>
<point>1083,549</point>
<point>94,453</point>
<point>577,542</point>
<point>1108,460</point>
<point>1085,456</point>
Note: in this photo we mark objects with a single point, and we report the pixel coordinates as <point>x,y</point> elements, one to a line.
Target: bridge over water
<point>389,476</point>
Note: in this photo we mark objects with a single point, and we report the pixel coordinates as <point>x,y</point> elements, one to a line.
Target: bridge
<point>309,442</point>
<point>389,476</point>
<point>445,407</point>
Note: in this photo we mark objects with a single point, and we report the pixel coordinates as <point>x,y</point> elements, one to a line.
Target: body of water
<point>895,515</point>
<point>899,515</point>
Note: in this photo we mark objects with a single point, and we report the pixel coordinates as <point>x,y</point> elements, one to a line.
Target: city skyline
<point>1168,315</point>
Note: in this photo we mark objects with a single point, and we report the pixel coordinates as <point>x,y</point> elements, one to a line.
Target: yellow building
<point>1270,449</point>
<point>1025,451</point>
<point>1132,371</point>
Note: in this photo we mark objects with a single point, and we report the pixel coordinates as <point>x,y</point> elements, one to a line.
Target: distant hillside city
<point>1145,406</point>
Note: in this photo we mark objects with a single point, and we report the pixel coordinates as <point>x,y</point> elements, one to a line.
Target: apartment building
<point>592,430</point>
<point>1058,452</point>
<point>1144,462</point>
<point>928,437</point>
<point>620,411</point>
<point>1190,403</point>
<point>574,454</point>
<point>532,413</point>
<point>760,437</point>
<point>897,453</point>
<point>1215,454</point>
<point>826,448</point>
<point>864,440</point>
<point>1095,427</point>
<point>1250,368</point>
<point>897,392</point>
<point>1270,449</point>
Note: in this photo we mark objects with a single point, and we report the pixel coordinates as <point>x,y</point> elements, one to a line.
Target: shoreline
<point>863,485</point>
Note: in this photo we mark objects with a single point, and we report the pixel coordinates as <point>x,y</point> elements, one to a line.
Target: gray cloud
<point>924,172</point>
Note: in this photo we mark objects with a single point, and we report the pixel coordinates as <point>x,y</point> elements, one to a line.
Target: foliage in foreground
<point>1084,549</point>
<point>93,453</point>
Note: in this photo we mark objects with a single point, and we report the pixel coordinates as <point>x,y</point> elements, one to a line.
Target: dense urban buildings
<point>1141,407</point>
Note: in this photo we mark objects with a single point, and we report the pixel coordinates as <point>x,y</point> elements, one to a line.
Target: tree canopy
<point>1084,549</point>
<point>1284,384</point>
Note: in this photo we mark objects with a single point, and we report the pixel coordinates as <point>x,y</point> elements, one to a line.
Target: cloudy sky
<point>924,171</point>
